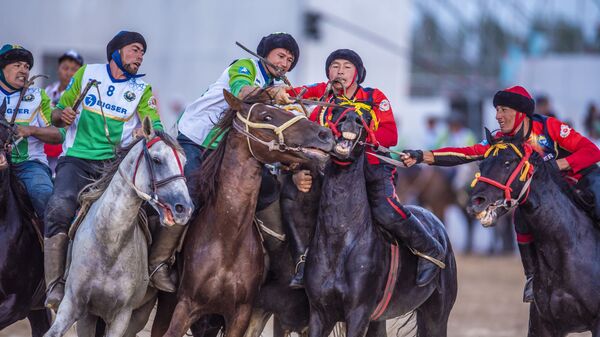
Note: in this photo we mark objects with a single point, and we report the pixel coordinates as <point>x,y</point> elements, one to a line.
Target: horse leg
<point>258,320</point>
<point>279,331</point>
<point>377,329</point>
<point>139,318</point>
<point>65,318</point>
<point>165,306</point>
<point>182,318</point>
<point>236,326</point>
<point>596,330</point>
<point>357,322</point>
<point>537,326</point>
<point>208,326</point>
<point>118,326</point>
<point>86,325</point>
<point>318,324</point>
<point>39,320</point>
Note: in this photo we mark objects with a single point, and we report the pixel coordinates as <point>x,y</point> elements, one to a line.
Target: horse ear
<point>147,129</point>
<point>234,102</point>
<point>489,137</point>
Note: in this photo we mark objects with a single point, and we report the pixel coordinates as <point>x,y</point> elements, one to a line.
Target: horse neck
<point>115,212</point>
<point>237,193</point>
<point>344,208</point>
<point>550,212</point>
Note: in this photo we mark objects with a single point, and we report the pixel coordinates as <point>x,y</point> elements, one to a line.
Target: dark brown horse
<point>21,258</point>
<point>223,263</point>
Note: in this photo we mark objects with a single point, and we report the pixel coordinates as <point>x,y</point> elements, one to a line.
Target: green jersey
<point>120,105</point>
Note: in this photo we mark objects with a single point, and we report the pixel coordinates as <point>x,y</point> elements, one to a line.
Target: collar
<point>264,72</point>
<point>7,93</point>
<point>6,83</point>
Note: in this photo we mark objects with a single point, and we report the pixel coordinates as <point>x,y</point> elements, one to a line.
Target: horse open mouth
<point>166,216</point>
<point>345,145</point>
<point>487,217</point>
<point>316,154</point>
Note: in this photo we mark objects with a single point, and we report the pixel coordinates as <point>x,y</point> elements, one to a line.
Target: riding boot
<point>527,256</point>
<point>412,232</point>
<point>162,254</point>
<point>298,278</point>
<point>55,256</point>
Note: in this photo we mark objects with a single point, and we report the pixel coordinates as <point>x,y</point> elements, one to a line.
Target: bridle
<point>524,171</point>
<point>155,185</point>
<point>272,145</point>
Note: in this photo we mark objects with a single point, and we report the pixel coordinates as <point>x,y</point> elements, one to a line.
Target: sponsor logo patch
<point>565,130</point>
<point>384,105</point>
<point>70,83</point>
<point>129,96</point>
<point>244,70</point>
<point>28,98</point>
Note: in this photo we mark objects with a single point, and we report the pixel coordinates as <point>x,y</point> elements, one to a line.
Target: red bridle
<point>524,171</point>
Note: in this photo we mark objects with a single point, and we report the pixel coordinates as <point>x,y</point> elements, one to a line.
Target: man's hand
<point>411,157</point>
<point>280,95</point>
<point>25,131</point>
<point>67,116</point>
<point>303,180</point>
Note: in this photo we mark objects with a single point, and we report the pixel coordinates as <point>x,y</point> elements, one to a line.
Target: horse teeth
<point>349,135</point>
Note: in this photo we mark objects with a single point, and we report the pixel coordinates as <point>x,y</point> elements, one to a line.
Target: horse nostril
<point>179,208</point>
<point>324,135</point>
<point>477,200</point>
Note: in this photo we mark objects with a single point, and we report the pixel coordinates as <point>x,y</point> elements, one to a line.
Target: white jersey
<point>34,110</point>
<point>199,118</point>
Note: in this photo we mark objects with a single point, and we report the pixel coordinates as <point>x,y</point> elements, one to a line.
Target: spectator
<point>543,106</point>
<point>592,122</point>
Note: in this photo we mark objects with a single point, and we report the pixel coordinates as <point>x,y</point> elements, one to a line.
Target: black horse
<point>567,243</point>
<point>348,263</point>
<point>21,258</point>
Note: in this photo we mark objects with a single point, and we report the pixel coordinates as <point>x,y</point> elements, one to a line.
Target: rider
<point>33,127</point>
<point>555,141</point>
<point>68,64</point>
<point>345,69</point>
<point>109,114</point>
<point>241,78</point>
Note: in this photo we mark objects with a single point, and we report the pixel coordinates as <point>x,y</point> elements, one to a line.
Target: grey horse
<point>108,276</point>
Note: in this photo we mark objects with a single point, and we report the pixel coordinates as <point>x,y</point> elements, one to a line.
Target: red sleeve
<point>451,156</point>
<point>313,91</point>
<point>387,132</point>
<point>584,153</point>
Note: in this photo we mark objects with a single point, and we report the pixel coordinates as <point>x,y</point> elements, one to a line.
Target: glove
<point>415,154</point>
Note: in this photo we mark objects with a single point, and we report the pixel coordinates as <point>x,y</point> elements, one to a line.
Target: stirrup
<point>301,260</point>
<point>160,265</point>
<point>433,260</point>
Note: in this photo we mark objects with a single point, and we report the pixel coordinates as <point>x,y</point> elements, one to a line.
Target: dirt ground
<point>488,305</point>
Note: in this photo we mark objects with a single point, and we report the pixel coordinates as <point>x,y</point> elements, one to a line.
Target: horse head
<point>504,178</point>
<point>351,124</point>
<point>5,138</point>
<point>277,135</point>
<point>155,165</point>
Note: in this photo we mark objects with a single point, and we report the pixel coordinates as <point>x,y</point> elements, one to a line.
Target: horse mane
<point>544,169</point>
<point>208,175</point>
<point>93,191</point>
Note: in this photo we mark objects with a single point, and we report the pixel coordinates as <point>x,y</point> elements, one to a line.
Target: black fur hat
<point>279,40</point>
<point>122,39</point>
<point>350,55</point>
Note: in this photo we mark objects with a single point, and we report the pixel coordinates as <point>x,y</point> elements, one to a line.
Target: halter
<point>326,119</point>
<point>153,197</point>
<point>524,170</point>
<point>272,145</point>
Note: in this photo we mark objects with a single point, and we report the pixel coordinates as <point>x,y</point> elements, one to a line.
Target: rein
<point>524,171</point>
<point>153,197</point>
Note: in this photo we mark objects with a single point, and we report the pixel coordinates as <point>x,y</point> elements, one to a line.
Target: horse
<point>108,273</point>
<point>21,255</point>
<point>222,257</point>
<point>566,240</point>
<point>348,264</point>
<point>431,187</point>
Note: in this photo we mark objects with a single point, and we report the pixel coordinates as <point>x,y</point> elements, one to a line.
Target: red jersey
<point>549,137</point>
<point>387,131</point>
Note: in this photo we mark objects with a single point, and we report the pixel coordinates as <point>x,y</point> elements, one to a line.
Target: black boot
<point>161,257</point>
<point>412,232</point>
<point>527,256</point>
<point>55,257</point>
<point>298,279</point>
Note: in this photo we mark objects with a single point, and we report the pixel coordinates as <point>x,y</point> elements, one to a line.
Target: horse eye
<point>267,118</point>
<point>156,160</point>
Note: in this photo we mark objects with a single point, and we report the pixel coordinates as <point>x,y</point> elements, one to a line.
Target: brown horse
<point>223,263</point>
